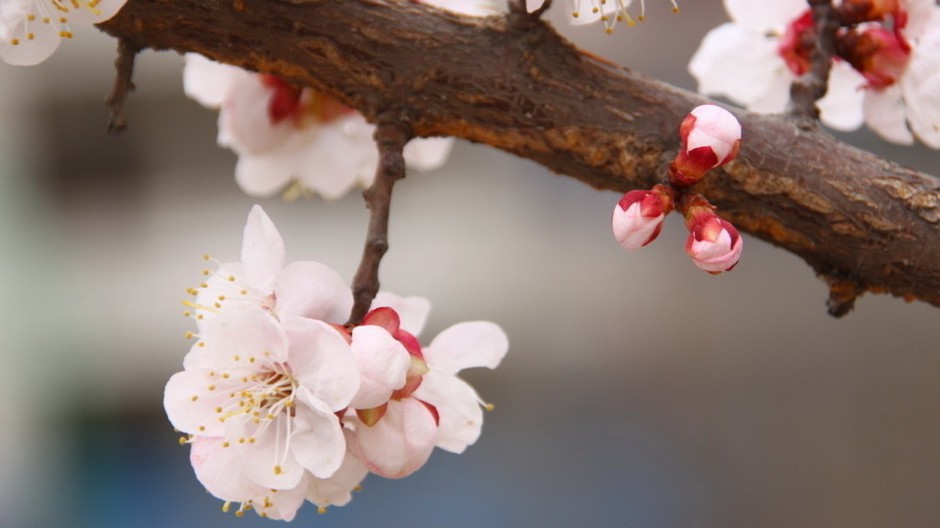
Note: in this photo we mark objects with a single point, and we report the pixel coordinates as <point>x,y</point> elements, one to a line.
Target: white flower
<point>259,398</point>
<point>283,133</point>
<point>434,407</point>
<point>468,7</point>
<point>31,30</point>
<point>610,12</point>
<point>744,61</point>
<point>306,288</point>
<point>911,106</point>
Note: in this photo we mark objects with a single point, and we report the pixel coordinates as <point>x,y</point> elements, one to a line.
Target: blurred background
<point>638,391</point>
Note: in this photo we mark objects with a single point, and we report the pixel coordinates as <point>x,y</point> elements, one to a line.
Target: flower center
<point>797,43</point>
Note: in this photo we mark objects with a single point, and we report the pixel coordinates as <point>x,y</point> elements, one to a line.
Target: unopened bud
<point>881,56</point>
<point>711,137</point>
<point>714,244</point>
<point>638,217</point>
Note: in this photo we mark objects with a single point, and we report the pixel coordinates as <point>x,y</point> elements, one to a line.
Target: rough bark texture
<point>862,223</point>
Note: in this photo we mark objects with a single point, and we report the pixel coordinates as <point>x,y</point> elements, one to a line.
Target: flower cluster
<point>886,72</point>
<point>711,137</point>
<point>31,30</point>
<point>281,403</point>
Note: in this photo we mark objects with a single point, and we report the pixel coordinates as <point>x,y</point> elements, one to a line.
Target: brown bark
<point>862,223</point>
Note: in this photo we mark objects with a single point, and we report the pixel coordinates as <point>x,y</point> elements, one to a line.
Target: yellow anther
<point>206,256</point>
<point>226,506</point>
<point>195,397</point>
<point>202,428</point>
<point>489,406</point>
<point>321,510</point>
<point>184,440</point>
<point>225,375</point>
<point>188,335</point>
<point>236,357</point>
<point>244,292</point>
<point>187,313</point>
<point>221,297</point>
<point>201,344</point>
<point>218,409</point>
<point>15,42</point>
<point>231,278</point>
<point>575,14</point>
<point>212,387</point>
<point>240,513</point>
<point>278,470</point>
<point>206,272</point>
<point>225,444</point>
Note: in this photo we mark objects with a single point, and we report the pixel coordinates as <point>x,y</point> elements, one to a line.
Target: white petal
<point>458,406</point>
<point>467,345</point>
<point>241,337</point>
<point>322,361</point>
<point>102,10</point>
<point>467,7</point>
<point>885,114</point>
<point>337,490</point>
<point>246,123</point>
<point>36,41</point>
<point>533,5</point>
<point>841,108</point>
<point>310,289</point>
<point>400,442</point>
<point>332,161</point>
<point>262,250</point>
<point>742,66</point>
<point>763,17</point>
<point>269,460</point>
<point>12,15</point>
<point>265,174</point>
<point>319,445</point>
<point>383,364</point>
<point>428,154</point>
<point>190,405</point>
<point>220,470</point>
<point>413,311</point>
<point>209,82</point>
<point>920,86</point>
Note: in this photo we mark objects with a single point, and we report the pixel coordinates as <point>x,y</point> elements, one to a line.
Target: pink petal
<point>263,175</point>
<point>262,250</point>
<point>319,445</point>
<point>220,471</point>
<point>337,490</point>
<point>191,405</point>
<point>458,405</point>
<point>412,311</point>
<point>467,345</point>
<point>310,289</point>
<point>383,364</point>
<point>322,361</point>
<point>841,108</point>
<point>885,115</point>
<point>241,337</point>
<point>764,17</point>
<point>400,442</point>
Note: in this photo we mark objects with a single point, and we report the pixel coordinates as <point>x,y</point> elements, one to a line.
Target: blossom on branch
<point>282,403</point>
<point>31,30</point>
<point>887,73</point>
<point>284,133</point>
<point>714,244</point>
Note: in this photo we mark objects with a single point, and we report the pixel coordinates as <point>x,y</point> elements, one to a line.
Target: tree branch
<point>812,85</point>
<point>123,85</point>
<point>390,139</point>
<point>855,218</point>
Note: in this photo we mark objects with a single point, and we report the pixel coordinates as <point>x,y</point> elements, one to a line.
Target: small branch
<point>123,72</point>
<point>390,138</point>
<point>519,14</point>
<point>812,85</point>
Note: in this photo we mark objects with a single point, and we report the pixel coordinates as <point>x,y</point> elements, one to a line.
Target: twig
<point>390,138</point>
<point>812,85</point>
<point>520,16</point>
<point>123,72</point>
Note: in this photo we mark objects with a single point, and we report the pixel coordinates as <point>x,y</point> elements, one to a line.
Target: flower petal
<point>412,311</point>
<point>240,337</point>
<point>428,154</point>
<point>262,250</point>
<point>764,17</point>
<point>467,345</point>
<point>318,445</point>
<point>209,82</point>
<point>220,470</point>
<point>383,364</point>
<point>459,408</point>
<point>265,174</point>
<point>322,361</point>
<point>337,490</point>
<point>841,108</point>
<point>885,115</point>
<point>400,442</point>
<point>310,289</point>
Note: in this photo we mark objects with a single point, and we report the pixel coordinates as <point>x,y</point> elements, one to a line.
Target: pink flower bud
<point>711,137</point>
<point>881,56</point>
<point>714,244</point>
<point>638,217</point>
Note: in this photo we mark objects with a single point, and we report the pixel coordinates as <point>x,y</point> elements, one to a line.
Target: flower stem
<point>123,71</point>
<point>390,138</point>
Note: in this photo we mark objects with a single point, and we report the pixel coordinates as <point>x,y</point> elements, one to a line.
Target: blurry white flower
<point>31,30</point>
<point>283,133</point>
